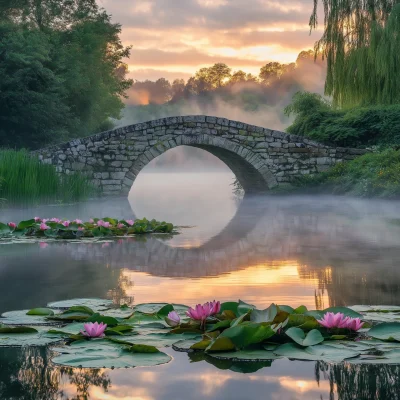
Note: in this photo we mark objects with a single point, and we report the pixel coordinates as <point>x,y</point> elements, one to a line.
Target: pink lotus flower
<point>130,221</point>
<point>44,220</point>
<point>12,225</point>
<point>37,219</point>
<point>91,220</point>
<point>44,227</point>
<point>77,221</point>
<point>66,223</point>
<point>202,312</point>
<point>81,228</point>
<point>338,320</point>
<point>94,330</point>
<point>55,220</point>
<point>103,224</point>
<point>120,226</point>
<point>173,319</point>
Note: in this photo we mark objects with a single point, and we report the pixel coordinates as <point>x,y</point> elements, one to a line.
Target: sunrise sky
<point>174,38</point>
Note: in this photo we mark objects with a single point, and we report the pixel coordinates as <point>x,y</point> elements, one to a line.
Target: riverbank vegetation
<point>26,181</point>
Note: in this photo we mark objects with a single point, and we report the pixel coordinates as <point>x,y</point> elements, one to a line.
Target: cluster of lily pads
<point>95,333</point>
<point>96,227</point>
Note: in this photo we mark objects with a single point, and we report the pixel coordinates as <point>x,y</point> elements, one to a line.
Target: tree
<point>270,72</point>
<point>213,77</point>
<point>361,42</point>
<point>178,88</point>
<point>238,77</point>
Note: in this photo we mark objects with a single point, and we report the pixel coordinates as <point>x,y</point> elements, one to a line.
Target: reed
<point>25,181</point>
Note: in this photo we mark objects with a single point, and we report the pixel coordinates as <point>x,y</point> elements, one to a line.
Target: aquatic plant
<point>24,180</point>
<point>94,329</point>
<point>231,331</point>
<point>66,229</point>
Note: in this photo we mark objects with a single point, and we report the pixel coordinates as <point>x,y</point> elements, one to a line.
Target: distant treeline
<point>275,79</point>
<point>61,71</point>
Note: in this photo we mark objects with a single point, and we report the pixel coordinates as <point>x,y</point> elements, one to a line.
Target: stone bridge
<point>260,158</point>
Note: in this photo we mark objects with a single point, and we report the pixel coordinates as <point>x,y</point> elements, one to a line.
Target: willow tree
<point>361,43</point>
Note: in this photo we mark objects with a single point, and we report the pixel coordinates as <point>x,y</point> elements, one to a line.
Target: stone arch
<point>249,168</point>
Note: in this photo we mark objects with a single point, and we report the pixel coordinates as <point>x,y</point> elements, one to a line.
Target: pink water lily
<point>66,223</point>
<point>58,220</point>
<point>81,228</point>
<point>94,330</point>
<point>103,223</point>
<point>37,219</point>
<point>44,227</point>
<point>120,226</point>
<point>338,320</point>
<point>202,312</point>
<point>173,319</point>
<point>77,221</point>
<point>91,220</point>
<point>130,221</point>
<point>12,225</point>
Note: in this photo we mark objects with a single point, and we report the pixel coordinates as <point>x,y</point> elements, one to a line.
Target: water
<point>320,252</point>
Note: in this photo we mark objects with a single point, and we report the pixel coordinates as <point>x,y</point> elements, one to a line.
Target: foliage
<point>24,180</point>
<point>360,42</point>
<point>64,229</point>
<point>316,119</point>
<point>61,70</point>
<point>370,175</point>
<point>133,336</point>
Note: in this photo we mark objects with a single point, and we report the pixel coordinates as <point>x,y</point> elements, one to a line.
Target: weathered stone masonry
<point>260,158</point>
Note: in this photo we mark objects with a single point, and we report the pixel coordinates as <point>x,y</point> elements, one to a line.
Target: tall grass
<point>25,181</point>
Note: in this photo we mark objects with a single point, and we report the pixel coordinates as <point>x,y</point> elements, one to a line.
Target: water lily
<point>202,312</point>
<point>66,223</point>
<point>130,221</point>
<point>338,320</point>
<point>120,226</point>
<point>77,221</point>
<point>44,227</point>
<point>81,228</point>
<point>55,220</point>
<point>103,223</point>
<point>37,219</point>
<point>91,220</point>
<point>94,330</point>
<point>173,319</point>
<point>12,225</point>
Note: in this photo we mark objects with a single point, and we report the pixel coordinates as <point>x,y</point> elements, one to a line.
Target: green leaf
<point>288,309</point>
<point>266,315</point>
<point>244,308</point>
<point>103,353</point>
<point>247,355</point>
<point>110,321</point>
<point>164,311</point>
<point>386,331</point>
<point>220,344</point>
<point>312,338</point>
<point>17,329</point>
<point>202,345</point>
<point>26,224</point>
<point>40,311</point>
<point>319,352</point>
<point>300,310</point>
<point>20,317</point>
<point>247,334</point>
<point>304,322</point>
<point>4,229</point>
<point>230,306</point>
<point>93,303</point>
<point>142,348</point>
<point>39,337</point>
<point>220,325</point>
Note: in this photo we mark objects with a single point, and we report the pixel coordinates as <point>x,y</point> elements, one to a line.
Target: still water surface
<point>319,251</point>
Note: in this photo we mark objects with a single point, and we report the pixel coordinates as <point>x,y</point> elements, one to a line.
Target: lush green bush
<point>355,127</point>
<point>370,175</point>
<point>24,180</point>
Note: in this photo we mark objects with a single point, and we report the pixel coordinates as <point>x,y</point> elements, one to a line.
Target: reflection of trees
<point>27,374</point>
<point>361,382</point>
<point>118,294</point>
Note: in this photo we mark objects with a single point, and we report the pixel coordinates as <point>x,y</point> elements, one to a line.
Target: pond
<point>316,251</point>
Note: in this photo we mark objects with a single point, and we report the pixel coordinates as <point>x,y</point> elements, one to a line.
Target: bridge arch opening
<point>248,167</point>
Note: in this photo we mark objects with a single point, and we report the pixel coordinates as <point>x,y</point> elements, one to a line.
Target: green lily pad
<point>39,338</point>
<point>319,352</point>
<point>312,338</point>
<point>247,355</point>
<point>266,315</point>
<point>40,311</point>
<point>21,317</point>
<point>102,353</point>
<point>244,308</point>
<point>245,335</point>
<point>154,308</point>
<point>94,304</point>
<point>386,331</point>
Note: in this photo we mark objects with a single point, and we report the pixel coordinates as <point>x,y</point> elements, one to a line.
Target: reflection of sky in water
<point>313,251</point>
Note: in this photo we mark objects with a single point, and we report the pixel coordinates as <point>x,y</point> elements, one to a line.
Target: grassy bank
<point>370,175</point>
<point>25,181</point>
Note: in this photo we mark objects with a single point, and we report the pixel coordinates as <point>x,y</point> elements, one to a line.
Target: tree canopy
<point>361,40</point>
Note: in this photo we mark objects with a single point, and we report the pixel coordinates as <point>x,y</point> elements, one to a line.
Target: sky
<point>175,38</point>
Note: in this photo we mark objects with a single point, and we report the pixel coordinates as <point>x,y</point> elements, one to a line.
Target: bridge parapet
<point>260,158</point>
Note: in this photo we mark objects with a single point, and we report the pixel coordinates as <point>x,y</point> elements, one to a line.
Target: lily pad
<point>39,338</point>
<point>21,317</point>
<point>312,338</point>
<point>386,331</point>
<point>154,308</point>
<point>247,355</point>
<point>266,315</point>
<point>94,304</point>
<point>40,311</point>
<point>102,353</point>
<point>319,352</point>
